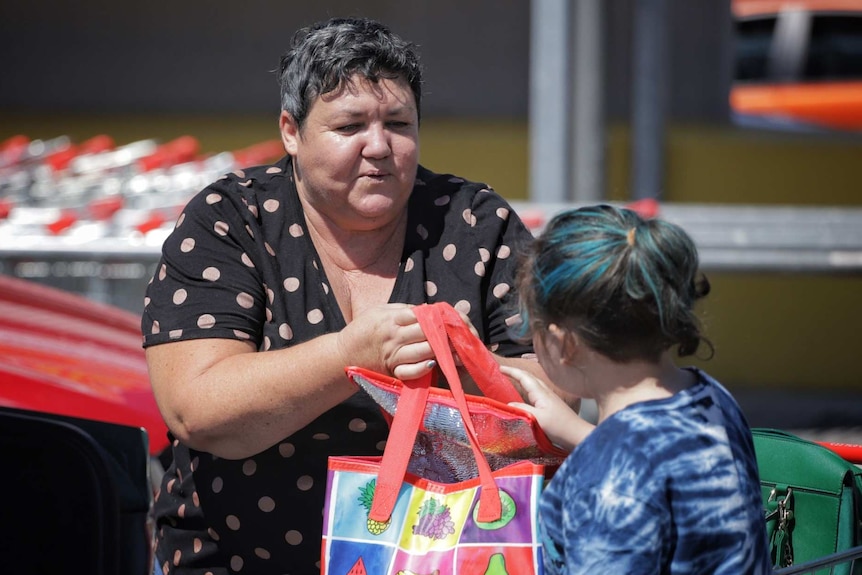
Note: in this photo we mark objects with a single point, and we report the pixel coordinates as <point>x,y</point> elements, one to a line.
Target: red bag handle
<point>399,446</point>
<point>441,327</point>
<point>479,362</point>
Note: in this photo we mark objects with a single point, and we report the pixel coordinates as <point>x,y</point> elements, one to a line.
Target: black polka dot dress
<point>240,265</point>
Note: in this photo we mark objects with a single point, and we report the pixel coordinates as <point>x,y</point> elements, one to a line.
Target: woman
<point>278,277</point>
<point>667,482</point>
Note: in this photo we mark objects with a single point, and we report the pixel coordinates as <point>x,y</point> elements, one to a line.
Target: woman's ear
<point>289,130</point>
<point>566,343</point>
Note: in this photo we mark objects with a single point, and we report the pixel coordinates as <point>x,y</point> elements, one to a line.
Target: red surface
<point>747,8</point>
<point>261,153</point>
<point>177,151</point>
<point>61,353</point>
<point>832,104</point>
<point>848,451</point>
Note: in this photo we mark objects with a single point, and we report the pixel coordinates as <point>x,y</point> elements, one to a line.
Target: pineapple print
<point>435,520</point>
<point>365,498</point>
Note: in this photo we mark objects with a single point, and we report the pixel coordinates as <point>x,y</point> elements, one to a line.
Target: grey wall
<point>699,58</point>
<point>216,56</point>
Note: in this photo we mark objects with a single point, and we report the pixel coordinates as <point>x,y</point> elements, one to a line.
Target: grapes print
<point>435,520</point>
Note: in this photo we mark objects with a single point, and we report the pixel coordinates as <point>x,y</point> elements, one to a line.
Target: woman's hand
<point>559,422</point>
<point>387,339</point>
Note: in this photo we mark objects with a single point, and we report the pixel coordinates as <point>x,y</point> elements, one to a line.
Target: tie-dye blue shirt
<point>666,486</point>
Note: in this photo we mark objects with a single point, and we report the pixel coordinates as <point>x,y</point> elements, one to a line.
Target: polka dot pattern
<point>285,332</point>
<point>244,300</point>
<point>212,274</point>
<point>180,296</point>
<point>243,267</point>
<point>266,504</point>
<point>305,483</point>
<point>315,316</point>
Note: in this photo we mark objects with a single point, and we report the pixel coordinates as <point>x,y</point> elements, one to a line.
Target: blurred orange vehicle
<point>799,61</point>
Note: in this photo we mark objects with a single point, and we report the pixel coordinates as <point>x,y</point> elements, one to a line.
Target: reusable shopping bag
<point>812,499</point>
<point>456,490</point>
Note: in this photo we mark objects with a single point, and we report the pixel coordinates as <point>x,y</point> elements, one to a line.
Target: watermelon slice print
<point>358,568</point>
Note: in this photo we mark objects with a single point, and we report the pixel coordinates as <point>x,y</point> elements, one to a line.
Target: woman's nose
<point>377,142</point>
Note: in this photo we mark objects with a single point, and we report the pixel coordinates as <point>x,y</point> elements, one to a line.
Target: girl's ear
<point>566,343</point>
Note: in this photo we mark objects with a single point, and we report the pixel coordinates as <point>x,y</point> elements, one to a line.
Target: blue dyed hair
<point>625,285</point>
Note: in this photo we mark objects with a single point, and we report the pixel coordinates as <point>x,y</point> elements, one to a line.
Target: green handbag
<point>812,499</point>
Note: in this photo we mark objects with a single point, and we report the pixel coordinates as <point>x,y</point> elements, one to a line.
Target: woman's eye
<point>348,128</point>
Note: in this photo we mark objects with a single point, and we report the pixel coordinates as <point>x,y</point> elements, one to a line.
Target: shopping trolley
<point>847,561</point>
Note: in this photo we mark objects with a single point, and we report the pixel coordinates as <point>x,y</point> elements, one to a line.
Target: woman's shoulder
<point>458,188</point>
<point>477,203</point>
<point>259,178</point>
<point>430,178</point>
<point>245,188</point>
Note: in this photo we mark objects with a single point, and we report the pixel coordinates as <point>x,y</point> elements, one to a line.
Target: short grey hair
<point>324,56</point>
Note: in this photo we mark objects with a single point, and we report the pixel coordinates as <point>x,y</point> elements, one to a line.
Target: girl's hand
<point>559,422</point>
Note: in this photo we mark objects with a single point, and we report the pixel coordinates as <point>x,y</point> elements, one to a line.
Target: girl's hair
<point>326,55</point>
<point>625,285</point>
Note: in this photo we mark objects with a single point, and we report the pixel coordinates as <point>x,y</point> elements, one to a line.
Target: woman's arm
<point>224,397</point>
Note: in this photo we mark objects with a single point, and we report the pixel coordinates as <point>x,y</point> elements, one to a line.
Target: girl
<point>667,482</point>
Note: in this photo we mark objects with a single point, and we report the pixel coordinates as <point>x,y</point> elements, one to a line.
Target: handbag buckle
<point>782,534</point>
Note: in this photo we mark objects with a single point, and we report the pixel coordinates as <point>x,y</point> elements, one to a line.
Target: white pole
<point>549,98</point>
<point>588,122</point>
<point>649,107</point>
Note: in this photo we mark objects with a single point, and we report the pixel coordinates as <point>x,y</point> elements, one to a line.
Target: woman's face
<point>355,157</point>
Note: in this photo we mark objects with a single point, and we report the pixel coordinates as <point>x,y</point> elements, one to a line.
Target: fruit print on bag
<point>435,520</point>
<point>366,497</point>
<point>358,568</point>
<point>516,525</point>
<point>509,509</point>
